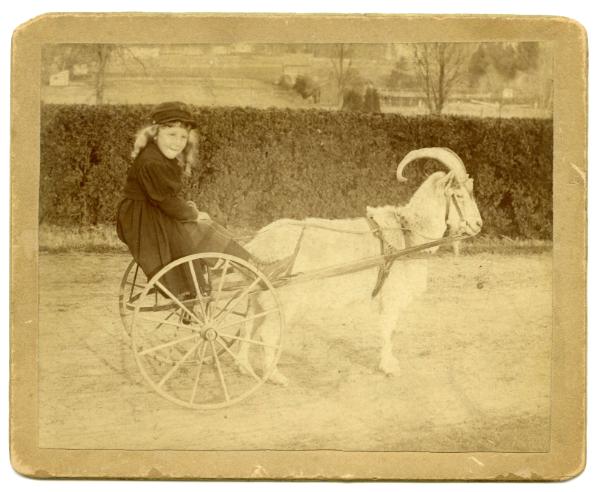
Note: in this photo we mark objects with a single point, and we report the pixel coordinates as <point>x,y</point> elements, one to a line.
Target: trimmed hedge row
<point>260,165</point>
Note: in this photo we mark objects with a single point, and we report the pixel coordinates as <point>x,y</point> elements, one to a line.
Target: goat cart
<point>199,349</point>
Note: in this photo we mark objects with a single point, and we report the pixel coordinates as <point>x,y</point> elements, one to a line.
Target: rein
<point>304,225</point>
<point>451,198</point>
<point>362,264</point>
<point>461,215</point>
<point>298,223</point>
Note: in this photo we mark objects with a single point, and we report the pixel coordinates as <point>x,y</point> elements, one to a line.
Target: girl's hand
<point>202,216</point>
<point>192,204</point>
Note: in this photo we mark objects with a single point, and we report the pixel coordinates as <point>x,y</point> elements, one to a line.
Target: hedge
<point>259,165</point>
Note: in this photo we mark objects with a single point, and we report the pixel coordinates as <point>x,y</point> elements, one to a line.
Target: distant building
<point>402,98</point>
<point>242,48</point>
<point>143,52</point>
<point>294,70</point>
<point>218,49</point>
<point>60,79</point>
<point>80,70</point>
<point>508,93</point>
<point>182,49</point>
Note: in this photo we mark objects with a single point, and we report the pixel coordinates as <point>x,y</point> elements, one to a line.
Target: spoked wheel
<point>215,337</point>
<point>132,285</point>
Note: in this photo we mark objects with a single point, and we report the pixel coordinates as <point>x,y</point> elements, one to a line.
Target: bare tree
<point>65,56</point>
<point>103,53</point>
<point>438,66</point>
<point>342,64</point>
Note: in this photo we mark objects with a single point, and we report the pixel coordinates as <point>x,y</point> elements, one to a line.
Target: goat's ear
<point>469,185</point>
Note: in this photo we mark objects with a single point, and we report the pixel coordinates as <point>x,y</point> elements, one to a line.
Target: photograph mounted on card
<point>298,247</point>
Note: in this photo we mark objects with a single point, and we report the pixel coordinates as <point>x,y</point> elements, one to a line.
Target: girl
<point>158,225</point>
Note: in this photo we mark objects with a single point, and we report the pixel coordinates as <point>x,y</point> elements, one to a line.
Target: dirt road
<point>474,351</point>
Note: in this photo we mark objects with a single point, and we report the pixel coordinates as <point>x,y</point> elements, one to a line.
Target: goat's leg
<point>387,312</point>
<point>246,332</point>
<point>269,334</point>
<point>407,281</point>
<point>267,331</point>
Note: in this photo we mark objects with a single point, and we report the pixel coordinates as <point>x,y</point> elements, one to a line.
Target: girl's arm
<point>177,208</point>
<point>161,184</point>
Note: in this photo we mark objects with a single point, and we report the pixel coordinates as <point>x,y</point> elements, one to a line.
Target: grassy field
<point>198,91</point>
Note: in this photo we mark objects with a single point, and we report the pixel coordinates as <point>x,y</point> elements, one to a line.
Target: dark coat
<point>159,226</point>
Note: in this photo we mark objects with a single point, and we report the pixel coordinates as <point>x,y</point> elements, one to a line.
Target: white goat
<point>443,200</point>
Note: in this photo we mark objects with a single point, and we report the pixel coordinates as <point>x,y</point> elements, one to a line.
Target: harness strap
<point>452,198</point>
<point>290,267</point>
<point>386,250</point>
<point>461,216</point>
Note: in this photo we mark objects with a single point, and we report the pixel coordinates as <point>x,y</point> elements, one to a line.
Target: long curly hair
<point>188,157</point>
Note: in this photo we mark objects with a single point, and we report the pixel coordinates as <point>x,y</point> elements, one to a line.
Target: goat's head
<point>445,199</point>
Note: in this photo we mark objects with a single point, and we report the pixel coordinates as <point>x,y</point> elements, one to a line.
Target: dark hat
<point>169,112</point>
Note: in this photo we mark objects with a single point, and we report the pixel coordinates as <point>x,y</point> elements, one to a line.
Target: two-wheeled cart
<point>188,346</point>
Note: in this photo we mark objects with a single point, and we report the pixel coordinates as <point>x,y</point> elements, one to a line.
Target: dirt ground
<point>474,351</point>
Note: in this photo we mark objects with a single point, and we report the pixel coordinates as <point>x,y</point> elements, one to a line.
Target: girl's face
<point>171,140</point>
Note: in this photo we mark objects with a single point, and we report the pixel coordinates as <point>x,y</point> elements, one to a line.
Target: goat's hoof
<point>277,378</point>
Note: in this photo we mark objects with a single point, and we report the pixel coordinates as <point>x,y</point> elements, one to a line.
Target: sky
<point>581,10</point>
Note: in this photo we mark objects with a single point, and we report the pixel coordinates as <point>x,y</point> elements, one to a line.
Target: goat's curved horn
<point>441,154</point>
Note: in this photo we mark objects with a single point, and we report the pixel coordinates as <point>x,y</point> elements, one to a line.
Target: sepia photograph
<point>269,244</point>
<point>291,158</point>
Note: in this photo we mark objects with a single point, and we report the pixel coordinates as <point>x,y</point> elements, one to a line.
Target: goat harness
<point>386,250</point>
